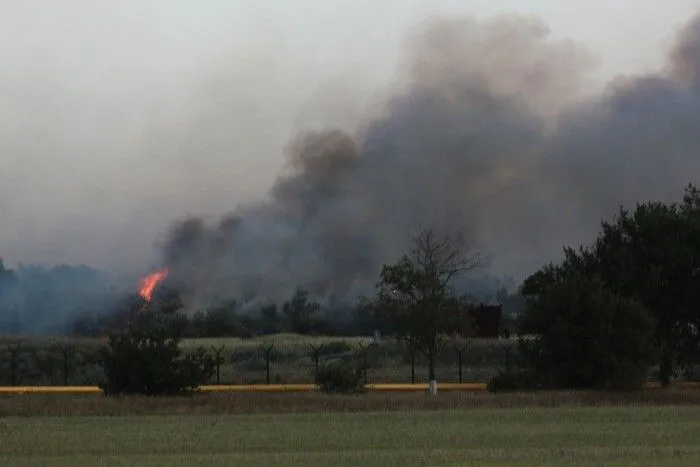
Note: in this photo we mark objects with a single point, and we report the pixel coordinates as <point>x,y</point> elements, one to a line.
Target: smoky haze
<point>126,144</point>
<point>488,132</point>
<point>116,119</point>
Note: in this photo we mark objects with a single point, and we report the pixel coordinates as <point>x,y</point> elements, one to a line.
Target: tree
<point>367,318</point>
<point>10,319</point>
<point>417,293</point>
<point>652,254</point>
<point>585,335</point>
<point>270,319</point>
<point>300,312</point>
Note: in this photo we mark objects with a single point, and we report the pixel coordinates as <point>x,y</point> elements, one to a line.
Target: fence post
<point>460,351</point>
<point>412,352</point>
<point>66,351</point>
<point>507,358</point>
<point>219,360</point>
<point>315,354</point>
<point>364,349</point>
<point>14,353</point>
<point>268,353</point>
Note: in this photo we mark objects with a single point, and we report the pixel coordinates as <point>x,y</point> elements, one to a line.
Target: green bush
<point>148,361</point>
<point>340,376</point>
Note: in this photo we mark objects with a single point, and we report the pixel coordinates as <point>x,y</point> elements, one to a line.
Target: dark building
<point>487,321</point>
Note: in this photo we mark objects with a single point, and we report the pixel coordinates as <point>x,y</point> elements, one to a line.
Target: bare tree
<point>418,292</point>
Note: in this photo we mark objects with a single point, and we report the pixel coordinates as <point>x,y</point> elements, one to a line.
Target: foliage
<point>300,311</point>
<point>340,376</point>
<point>147,360</point>
<point>585,334</point>
<point>417,293</point>
<point>649,256</point>
<point>652,254</point>
<point>270,319</point>
<point>219,321</point>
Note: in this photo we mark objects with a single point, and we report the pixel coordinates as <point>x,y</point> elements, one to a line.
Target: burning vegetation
<point>150,282</point>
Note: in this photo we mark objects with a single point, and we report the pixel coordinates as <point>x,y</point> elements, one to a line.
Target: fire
<point>149,283</point>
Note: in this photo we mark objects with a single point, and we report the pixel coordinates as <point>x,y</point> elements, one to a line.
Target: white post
<point>432,385</point>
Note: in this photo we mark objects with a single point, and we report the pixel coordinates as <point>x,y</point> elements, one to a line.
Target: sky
<point>117,118</point>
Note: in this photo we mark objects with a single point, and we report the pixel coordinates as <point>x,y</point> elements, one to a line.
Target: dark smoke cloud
<point>488,132</point>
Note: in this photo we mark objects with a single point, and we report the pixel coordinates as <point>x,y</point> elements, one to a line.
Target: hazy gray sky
<point>117,117</point>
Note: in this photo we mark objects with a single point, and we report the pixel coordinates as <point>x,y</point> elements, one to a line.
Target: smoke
<point>488,131</point>
<point>489,126</point>
<point>116,120</point>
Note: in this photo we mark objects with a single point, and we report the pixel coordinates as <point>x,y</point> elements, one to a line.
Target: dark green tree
<point>585,335</point>
<point>300,312</point>
<point>270,319</point>
<point>652,254</point>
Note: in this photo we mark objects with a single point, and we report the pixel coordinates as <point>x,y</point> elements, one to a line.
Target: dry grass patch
<point>202,404</point>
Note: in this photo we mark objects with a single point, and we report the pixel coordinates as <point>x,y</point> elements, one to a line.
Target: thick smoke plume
<point>488,131</point>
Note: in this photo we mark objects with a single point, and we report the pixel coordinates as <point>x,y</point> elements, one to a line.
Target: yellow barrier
<point>259,388</point>
<point>50,390</point>
<point>281,388</point>
<point>254,388</point>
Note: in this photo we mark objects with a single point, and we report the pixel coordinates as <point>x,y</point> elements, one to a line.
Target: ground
<point>311,429</point>
<point>573,436</point>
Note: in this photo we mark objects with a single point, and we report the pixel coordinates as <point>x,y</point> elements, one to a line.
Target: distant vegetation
<point>81,301</point>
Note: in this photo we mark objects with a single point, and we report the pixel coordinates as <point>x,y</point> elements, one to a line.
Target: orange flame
<point>149,283</point>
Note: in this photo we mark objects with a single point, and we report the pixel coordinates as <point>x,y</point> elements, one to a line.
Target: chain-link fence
<point>285,361</point>
<point>281,359</point>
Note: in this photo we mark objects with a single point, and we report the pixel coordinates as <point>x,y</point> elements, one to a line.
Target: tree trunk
<point>432,383</point>
<point>666,369</point>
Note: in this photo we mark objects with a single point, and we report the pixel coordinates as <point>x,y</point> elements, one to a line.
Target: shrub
<point>340,376</point>
<point>148,361</point>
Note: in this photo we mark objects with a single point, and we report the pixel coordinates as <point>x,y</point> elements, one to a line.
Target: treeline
<point>79,300</point>
<point>298,315</point>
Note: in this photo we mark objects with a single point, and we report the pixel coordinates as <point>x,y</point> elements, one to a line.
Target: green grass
<point>525,436</point>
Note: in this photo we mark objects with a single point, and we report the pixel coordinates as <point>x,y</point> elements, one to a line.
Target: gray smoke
<point>489,131</point>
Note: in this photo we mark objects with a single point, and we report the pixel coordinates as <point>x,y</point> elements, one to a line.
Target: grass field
<point>631,435</point>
